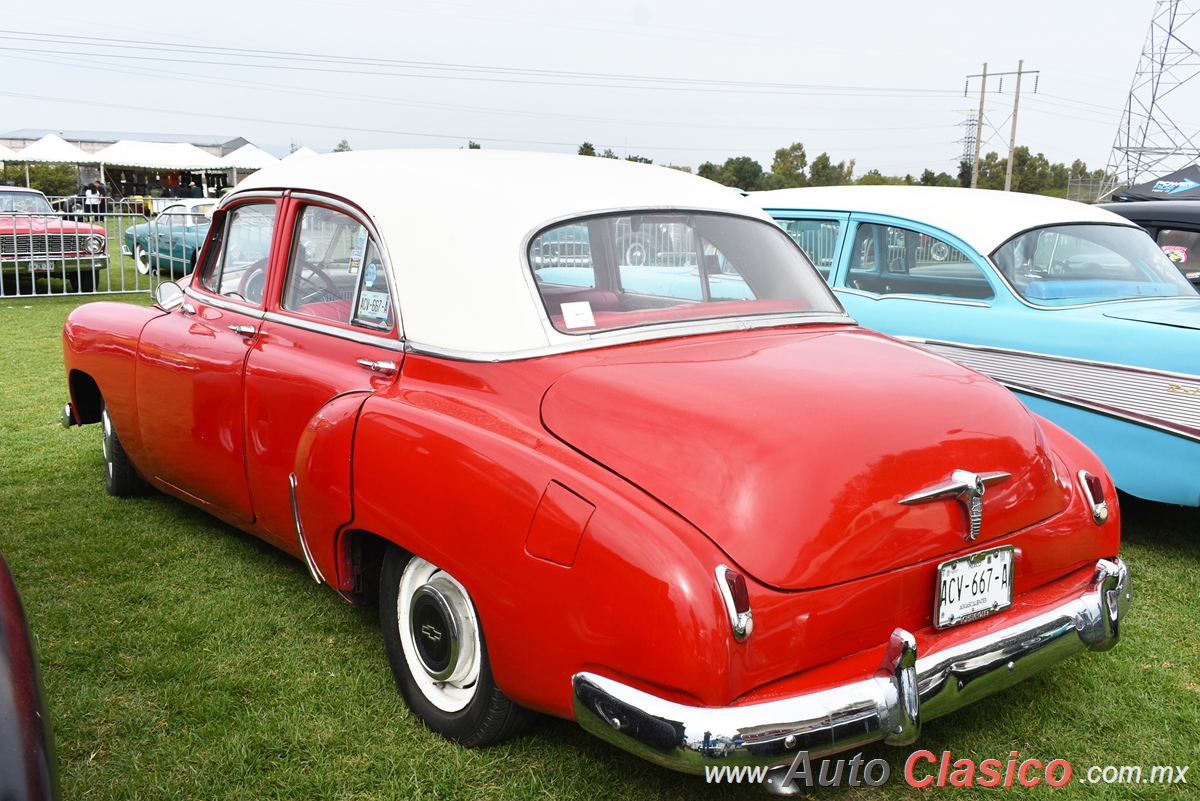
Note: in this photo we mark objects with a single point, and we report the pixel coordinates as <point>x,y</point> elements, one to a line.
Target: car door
<point>331,331</point>
<point>908,280</point>
<point>191,366</point>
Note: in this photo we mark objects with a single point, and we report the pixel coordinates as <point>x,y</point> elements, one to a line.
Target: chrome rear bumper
<point>888,706</point>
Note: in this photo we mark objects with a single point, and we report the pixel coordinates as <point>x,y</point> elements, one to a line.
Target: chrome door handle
<point>244,330</point>
<point>387,368</point>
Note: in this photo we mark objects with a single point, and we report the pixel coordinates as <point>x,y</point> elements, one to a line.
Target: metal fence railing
<point>79,251</point>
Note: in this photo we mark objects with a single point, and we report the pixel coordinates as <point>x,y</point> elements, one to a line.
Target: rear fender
<point>321,486</point>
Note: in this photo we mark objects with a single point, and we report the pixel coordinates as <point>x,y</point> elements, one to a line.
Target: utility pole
<point>979,132</point>
<point>979,128</point>
<point>1012,138</point>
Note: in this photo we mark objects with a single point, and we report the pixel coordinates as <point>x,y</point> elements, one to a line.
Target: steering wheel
<point>253,282</point>
<point>311,284</point>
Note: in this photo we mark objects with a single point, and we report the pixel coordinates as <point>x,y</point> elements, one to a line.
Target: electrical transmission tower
<point>1153,138</point>
<point>968,141</point>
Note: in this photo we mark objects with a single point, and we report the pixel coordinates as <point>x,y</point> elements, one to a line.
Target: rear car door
<point>331,331</point>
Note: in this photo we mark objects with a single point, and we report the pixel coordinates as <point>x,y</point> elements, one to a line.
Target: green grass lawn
<point>185,659</point>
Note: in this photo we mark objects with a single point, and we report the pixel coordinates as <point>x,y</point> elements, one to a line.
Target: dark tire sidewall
<point>462,726</point>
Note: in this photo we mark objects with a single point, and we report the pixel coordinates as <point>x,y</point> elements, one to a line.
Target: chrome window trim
<point>1186,426</point>
<point>905,296</point>
<point>365,336</point>
<point>554,335</point>
<point>225,303</point>
<point>626,336</point>
<point>365,221</point>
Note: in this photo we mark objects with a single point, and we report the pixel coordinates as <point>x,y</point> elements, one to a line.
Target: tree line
<point>790,167</point>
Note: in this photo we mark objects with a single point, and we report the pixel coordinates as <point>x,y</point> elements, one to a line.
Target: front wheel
<point>120,479</point>
<point>438,655</point>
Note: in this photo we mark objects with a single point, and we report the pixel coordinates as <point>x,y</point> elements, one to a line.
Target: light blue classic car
<point>168,244</point>
<point>1074,308</point>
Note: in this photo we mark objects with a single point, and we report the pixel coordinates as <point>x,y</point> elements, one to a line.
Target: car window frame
<point>987,269</point>
<point>290,232</point>
<point>843,221</point>
<point>217,234</point>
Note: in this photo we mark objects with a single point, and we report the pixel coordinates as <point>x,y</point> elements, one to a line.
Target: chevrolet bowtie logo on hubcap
<point>965,487</point>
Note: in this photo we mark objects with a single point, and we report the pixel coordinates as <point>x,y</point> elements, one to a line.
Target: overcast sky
<point>678,81</point>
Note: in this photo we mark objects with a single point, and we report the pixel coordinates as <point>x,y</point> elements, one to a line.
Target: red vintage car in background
<point>37,242</point>
<point>715,530</point>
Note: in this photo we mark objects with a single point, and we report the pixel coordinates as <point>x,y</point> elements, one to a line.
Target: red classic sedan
<point>710,518</point>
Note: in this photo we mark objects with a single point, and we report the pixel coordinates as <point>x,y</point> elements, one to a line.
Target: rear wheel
<point>120,479</point>
<point>438,655</point>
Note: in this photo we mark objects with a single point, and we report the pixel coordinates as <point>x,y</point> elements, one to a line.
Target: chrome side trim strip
<point>909,296</point>
<point>889,706</point>
<point>308,559</point>
<point>374,339</point>
<point>1156,398</point>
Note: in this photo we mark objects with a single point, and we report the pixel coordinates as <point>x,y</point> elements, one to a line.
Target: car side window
<point>817,238</point>
<point>888,260</point>
<point>1181,247</point>
<point>336,272</point>
<point>239,270</point>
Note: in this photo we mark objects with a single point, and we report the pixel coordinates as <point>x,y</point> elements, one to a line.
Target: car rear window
<point>617,271</point>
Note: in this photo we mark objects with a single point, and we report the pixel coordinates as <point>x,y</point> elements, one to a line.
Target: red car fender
<point>100,346</point>
<point>640,599</point>
<point>321,484</point>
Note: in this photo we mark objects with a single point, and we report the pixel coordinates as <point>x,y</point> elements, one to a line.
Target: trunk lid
<point>792,449</point>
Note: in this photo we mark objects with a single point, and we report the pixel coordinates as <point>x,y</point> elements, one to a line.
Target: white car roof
<point>982,218</point>
<point>456,225</point>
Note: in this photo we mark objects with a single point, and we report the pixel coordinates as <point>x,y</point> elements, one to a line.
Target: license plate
<point>975,586</point>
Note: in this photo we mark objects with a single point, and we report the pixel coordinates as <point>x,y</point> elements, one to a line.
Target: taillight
<point>1093,491</point>
<point>734,592</point>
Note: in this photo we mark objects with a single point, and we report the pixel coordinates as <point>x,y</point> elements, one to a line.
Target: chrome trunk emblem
<point>965,487</point>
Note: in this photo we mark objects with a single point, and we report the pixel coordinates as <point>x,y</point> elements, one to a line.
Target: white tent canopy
<point>50,149</point>
<point>8,154</point>
<point>300,153</point>
<point>248,157</point>
<point>156,156</point>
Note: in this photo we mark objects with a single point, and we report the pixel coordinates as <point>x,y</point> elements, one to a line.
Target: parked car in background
<point>1175,226</point>
<point>28,765</point>
<point>712,531</point>
<point>1072,307</point>
<point>170,242</point>
<point>36,242</point>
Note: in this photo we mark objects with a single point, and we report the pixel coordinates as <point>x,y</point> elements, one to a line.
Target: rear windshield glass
<point>619,271</point>
<point>1067,265</point>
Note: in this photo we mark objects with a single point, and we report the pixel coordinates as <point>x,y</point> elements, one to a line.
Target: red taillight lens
<point>737,588</point>
<point>1093,488</point>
